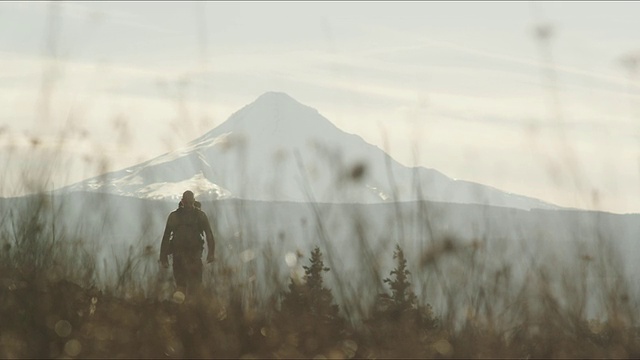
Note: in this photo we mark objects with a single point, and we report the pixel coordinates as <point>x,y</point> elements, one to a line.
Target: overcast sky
<point>537,98</point>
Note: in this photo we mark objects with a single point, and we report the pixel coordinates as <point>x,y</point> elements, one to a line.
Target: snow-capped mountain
<point>277,149</point>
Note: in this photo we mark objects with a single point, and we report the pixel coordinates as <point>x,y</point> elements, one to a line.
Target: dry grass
<point>54,302</point>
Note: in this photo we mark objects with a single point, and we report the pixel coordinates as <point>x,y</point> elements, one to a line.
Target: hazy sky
<point>532,98</point>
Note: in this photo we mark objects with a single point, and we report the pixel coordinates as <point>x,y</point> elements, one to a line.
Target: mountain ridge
<point>277,148</point>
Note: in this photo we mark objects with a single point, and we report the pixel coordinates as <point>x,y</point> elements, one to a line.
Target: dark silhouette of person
<point>183,240</point>
<point>197,204</point>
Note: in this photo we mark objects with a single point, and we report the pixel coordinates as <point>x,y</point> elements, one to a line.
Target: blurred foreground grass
<point>52,305</point>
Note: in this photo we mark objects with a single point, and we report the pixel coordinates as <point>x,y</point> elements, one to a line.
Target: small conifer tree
<point>308,309</point>
<point>402,297</point>
<point>321,299</point>
<point>311,297</point>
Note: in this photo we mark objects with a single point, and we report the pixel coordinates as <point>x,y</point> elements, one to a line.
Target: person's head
<point>197,204</point>
<point>188,198</point>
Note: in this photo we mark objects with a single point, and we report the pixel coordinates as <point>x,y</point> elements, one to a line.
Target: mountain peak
<point>278,115</point>
<point>271,96</point>
<point>280,102</point>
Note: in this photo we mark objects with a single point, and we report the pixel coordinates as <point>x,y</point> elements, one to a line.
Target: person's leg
<point>180,272</point>
<point>194,278</point>
<point>194,274</point>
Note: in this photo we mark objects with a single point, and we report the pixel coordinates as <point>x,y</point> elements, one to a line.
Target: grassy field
<point>458,302</point>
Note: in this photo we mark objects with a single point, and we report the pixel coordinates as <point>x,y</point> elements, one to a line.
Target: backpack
<point>188,231</point>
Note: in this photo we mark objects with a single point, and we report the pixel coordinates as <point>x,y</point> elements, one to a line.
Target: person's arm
<point>164,246</point>
<point>211,244</point>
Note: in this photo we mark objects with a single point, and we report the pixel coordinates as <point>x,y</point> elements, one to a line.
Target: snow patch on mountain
<point>193,147</point>
<point>198,184</point>
<point>381,194</point>
<point>91,184</point>
<point>130,180</point>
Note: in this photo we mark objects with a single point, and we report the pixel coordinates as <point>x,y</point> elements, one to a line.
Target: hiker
<point>183,239</point>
